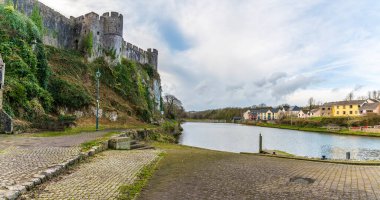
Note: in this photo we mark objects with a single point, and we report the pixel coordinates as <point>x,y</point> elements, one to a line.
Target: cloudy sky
<point>218,53</point>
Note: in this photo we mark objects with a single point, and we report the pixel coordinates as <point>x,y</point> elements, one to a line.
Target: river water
<point>241,138</point>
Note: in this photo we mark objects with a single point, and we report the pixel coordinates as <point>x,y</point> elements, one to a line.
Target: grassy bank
<point>314,129</point>
<point>131,191</point>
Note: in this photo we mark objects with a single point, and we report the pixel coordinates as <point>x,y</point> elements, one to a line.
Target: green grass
<point>129,192</point>
<point>319,130</point>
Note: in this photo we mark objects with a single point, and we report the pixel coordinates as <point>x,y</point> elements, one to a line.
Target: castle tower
<point>90,35</point>
<point>112,35</point>
<point>153,57</point>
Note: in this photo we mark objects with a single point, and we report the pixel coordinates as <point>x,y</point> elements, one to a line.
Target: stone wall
<point>59,30</point>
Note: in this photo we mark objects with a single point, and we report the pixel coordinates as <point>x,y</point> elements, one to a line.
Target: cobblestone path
<point>99,178</point>
<point>189,173</point>
<point>22,157</point>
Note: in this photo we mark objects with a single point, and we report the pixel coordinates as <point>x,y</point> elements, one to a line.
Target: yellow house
<point>347,108</point>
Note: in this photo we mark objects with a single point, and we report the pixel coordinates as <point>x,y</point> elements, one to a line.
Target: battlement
<point>112,23</point>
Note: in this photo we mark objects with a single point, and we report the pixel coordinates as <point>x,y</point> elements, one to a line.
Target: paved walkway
<point>189,173</point>
<point>22,157</point>
<point>99,178</point>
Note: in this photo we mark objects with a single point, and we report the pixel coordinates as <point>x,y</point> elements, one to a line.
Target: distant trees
<point>311,103</point>
<point>173,107</point>
<point>217,114</point>
<point>374,94</point>
<point>350,96</point>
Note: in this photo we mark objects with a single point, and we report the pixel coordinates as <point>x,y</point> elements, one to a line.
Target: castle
<point>96,35</point>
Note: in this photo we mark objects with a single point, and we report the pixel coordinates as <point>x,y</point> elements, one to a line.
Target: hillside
<point>217,114</point>
<point>44,83</point>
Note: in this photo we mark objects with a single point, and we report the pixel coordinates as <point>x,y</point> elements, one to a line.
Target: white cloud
<point>247,52</point>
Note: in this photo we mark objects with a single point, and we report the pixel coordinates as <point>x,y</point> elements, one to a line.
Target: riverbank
<point>193,173</point>
<point>313,129</point>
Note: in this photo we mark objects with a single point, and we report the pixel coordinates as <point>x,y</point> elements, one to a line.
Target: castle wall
<point>107,31</point>
<point>59,30</point>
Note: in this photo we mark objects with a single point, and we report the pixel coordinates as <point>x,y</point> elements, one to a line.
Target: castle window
<point>85,31</point>
<point>97,33</point>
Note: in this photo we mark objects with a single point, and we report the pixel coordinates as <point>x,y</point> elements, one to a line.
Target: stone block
<point>120,143</point>
<point>91,152</point>
<point>12,194</point>
<point>28,185</point>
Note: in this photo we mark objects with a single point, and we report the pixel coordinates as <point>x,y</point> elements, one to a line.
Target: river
<point>241,138</point>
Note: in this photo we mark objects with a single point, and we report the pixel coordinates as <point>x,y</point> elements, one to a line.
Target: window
<point>358,106</point>
<point>356,112</point>
<point>97,33</point>
<point>344,112</point>
<point>344,107</point>
<point>337,112</point>
<point>323,108</point>
<point>337,107</point>
<point>328,108</point>
<point>350,112</point>
<point>351,106</point>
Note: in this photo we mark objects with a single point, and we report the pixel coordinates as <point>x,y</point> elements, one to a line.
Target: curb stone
<point>15,191</point>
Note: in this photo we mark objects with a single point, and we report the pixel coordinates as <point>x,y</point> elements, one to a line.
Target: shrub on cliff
<point>131,82</point>
<point>27,72</point>
<point>67,94</point>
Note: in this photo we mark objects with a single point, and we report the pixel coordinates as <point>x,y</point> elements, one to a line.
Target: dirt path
<point>190,173</point>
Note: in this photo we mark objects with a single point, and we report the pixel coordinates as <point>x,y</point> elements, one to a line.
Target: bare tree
<point>262,105</point>
<point>350,96</point>
<point>374,94</point>
<point>362,98</point>
<point>173,106</point>
<point>311,103</point>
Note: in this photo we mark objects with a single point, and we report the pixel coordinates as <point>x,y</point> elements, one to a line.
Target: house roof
<point>344,103</point>
<point>275,110</point>
<point>314,110</point>
<point>374,100</point>
<point>370,106</point>
<point>295,108</point>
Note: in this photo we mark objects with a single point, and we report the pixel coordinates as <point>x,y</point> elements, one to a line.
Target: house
<point>347,108</point>
<point>247,115</point>
<point>269,114</point>
<point>293,111</point>
<point>326,109</point>
<point>236,119</point>
<point>315,112</point>
<point>368,108</point>
<point>275,112</point>
<point>303,114</point>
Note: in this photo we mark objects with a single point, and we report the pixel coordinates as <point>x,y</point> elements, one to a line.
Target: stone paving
<point>198,174</point>
<point>99,178</point>
<point>22,157</point>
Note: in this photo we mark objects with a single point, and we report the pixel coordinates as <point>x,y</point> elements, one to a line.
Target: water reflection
<point>239,138</point>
